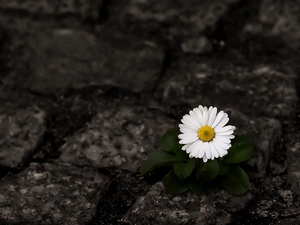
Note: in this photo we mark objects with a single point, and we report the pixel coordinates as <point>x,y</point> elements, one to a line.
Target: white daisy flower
<point>204,134</point>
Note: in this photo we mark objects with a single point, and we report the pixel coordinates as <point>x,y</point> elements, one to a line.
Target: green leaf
<point>223,169</point>
<point>241,150</point>
<point>208,170</point>
<point>169,142</point>
<point>236,181</point>
<point>200,187</point>
<point>157,159</point>
<point>173,184</point>
<point>184,170</point>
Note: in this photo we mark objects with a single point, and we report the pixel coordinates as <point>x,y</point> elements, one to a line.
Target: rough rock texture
<point>66,58</point>
<point>157,207</point>
<point>82,8</point>
<point>187,18</point>
<point>112,76</point>
<point>278,19</point>
<point>20,134</point>
<point>293,155</point>
<point>51,193</point>
<point>248,89</point>
<point>121,136</point>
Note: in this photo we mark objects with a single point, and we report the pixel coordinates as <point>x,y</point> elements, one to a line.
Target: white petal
<point>225,136</point>
<point>224,133</point>
<point>188,140</point>
<point>212,113</point>
<point>222,139</point>
<point>188,127</point>
<point>201,108</point>
<point>220,150</point>
<point>218,119</point>
<point>215,150</point>
<point>199,115</point>
<point>185,147</point>
<point>205,148</point>
<point>195,150</point>
<point>201,150</point>
<point>223,122</point>
<point>187,130</point>
<point>191,148</point>
<point>222,144</point>
<point>208,151</point>
<point>204,158</point>
<point>190,121</point>
<point>224,129</point>
<point>187,136</point>
<point>205,116</point>
<point>195,117</point>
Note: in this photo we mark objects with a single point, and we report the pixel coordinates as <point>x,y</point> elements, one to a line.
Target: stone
<point>65,58</point>
<point>157,207</point>
<point>82,8</point>
<point>21,132</point>
<point>198,45</point>
<point>293,157</point>
<point>185,18</point>
<point>253,89</point>
<point>264,132</point>
<point>121,136</point>
<point>277,19</point>
<point>51,193</point>
<point>289,221</point>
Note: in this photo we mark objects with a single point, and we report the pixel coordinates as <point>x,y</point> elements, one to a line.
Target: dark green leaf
<point>184,170</point>
<point>175,185</point>
<point>200,187</point>
<point>241,150</point>
<point>157,159</point>
<point>236,181</point>
<point>208,170</point>
<point>223,169</point>
<point>169,142</point>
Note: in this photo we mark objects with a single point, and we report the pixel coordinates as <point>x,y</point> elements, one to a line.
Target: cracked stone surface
<point>293,155</point>
<point>121,136</point>
<point>219,83</point>
<point>21,132</point>
<point>51,193</point>
<point>161,208</point>
<point>180,18</point>
<point>87,88</point>
<point>277,19</point>
<point>81,8</point>
<point>65,58</point>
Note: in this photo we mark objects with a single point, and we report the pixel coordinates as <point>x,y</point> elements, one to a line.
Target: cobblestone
<point>65,58</point>
<point>20,135</point>
<point>87,88</point>
<point>121,136</point>
<point>51,193</point>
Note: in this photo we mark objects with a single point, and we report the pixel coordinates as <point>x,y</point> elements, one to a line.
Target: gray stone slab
<point>277,19</point>
<point>121,136</point>
<point>293,157</point>
<point>157,207</point>
<point>82,8</point>
<point>264,132</point>
<point>253,89</point>
<point>65,58</point>
<point>175,19</point>
<point>51,193</point>
<point>288,221</point>
<point>21,131</point>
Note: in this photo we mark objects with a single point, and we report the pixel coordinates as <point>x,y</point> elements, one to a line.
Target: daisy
<point>204,134</point>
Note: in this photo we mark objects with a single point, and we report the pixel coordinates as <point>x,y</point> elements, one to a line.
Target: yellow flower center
<point>206,133</point>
